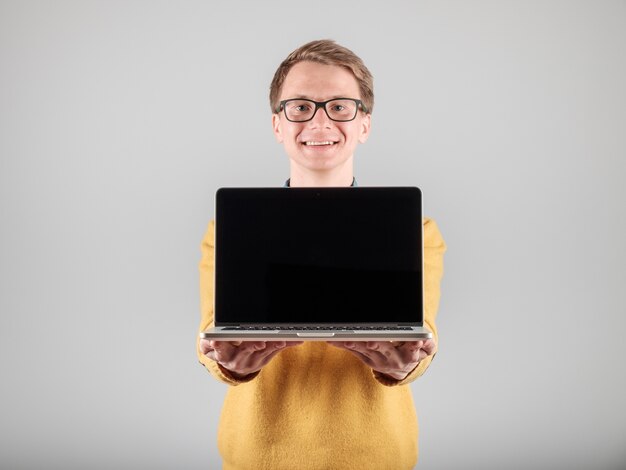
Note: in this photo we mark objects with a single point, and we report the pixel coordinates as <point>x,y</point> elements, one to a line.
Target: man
<point>320,405</point>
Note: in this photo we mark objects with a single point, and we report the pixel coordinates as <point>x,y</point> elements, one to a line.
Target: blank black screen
<point>318,255</point>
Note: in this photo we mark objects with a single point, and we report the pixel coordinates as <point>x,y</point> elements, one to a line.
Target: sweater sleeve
<point>434,248</point>
<point>207,286</point>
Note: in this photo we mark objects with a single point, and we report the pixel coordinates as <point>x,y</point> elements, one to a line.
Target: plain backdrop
<point>120,119</point>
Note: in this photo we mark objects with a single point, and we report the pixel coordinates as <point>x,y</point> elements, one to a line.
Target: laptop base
<point>222,334</point>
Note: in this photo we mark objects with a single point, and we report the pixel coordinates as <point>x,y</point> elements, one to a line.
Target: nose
<point>320,119</point>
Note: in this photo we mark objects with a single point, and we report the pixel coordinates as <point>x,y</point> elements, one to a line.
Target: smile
<point>326,142</point>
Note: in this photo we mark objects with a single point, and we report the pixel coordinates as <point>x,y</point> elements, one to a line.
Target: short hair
<point>327,52</point>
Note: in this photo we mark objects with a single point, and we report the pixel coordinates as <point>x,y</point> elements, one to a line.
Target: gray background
<point>118,120</point>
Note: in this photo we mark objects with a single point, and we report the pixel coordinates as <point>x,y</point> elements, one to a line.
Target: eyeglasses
<point>338,109</point>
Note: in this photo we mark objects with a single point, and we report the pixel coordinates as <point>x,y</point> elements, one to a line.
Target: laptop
<point>318,264</point>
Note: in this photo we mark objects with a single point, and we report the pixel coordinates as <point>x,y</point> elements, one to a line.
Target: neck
<point>337,177</point>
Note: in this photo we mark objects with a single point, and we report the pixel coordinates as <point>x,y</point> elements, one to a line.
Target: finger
<point>389,358</point>
<point>221,345</point>
<point>409,352</point>
<point>338,344</point>
<point>227,354</point>
<point>286,344</point>
<point>239,356</point>
<point>211,355</point>
<point>409,357</point>
<point>386,348</point>
<point>418,350</point>
<point>260,358</point>
<point>349,345</point>
<point>364,346</point>
<point>429,346</point>
<point>251,346</point>
<point>374,350</point>
<point>283,344</point>
<point>410,348</point>
<point>270,350</point>
<point>205,346</point>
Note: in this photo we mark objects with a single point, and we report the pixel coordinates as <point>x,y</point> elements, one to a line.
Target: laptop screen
<point>318,255</point>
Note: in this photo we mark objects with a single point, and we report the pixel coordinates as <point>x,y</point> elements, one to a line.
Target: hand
<point>395,359</point>
<point>242,358</point>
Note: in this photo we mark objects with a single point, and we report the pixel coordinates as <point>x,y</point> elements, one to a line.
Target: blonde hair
<point>327,52</point>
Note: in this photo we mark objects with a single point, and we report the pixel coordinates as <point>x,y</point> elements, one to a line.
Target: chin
<point>322,166</point>
<point>323,161</point>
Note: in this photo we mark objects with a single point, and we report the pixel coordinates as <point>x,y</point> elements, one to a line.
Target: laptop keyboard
<point>317,328</point>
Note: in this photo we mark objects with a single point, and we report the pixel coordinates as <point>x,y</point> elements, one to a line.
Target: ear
<point>277,128</point>
<point>366,123</point>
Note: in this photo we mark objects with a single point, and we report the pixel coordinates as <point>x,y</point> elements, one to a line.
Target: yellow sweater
<point>315,406</point>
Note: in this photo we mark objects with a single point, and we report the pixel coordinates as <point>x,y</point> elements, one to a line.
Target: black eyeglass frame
<point>322,104</point>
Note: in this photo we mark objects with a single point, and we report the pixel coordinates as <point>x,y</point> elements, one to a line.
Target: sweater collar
<point>353,185</point>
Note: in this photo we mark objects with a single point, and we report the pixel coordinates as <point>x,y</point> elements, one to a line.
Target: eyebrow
<point>305,97</point>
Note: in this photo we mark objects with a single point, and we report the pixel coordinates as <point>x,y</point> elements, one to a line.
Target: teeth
<point>326,142</point>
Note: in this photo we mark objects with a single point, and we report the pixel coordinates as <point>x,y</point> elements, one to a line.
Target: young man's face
<point>320,145</point>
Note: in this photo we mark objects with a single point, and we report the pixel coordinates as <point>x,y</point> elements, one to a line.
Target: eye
<point>298,107</point>
<point>338,108</point>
